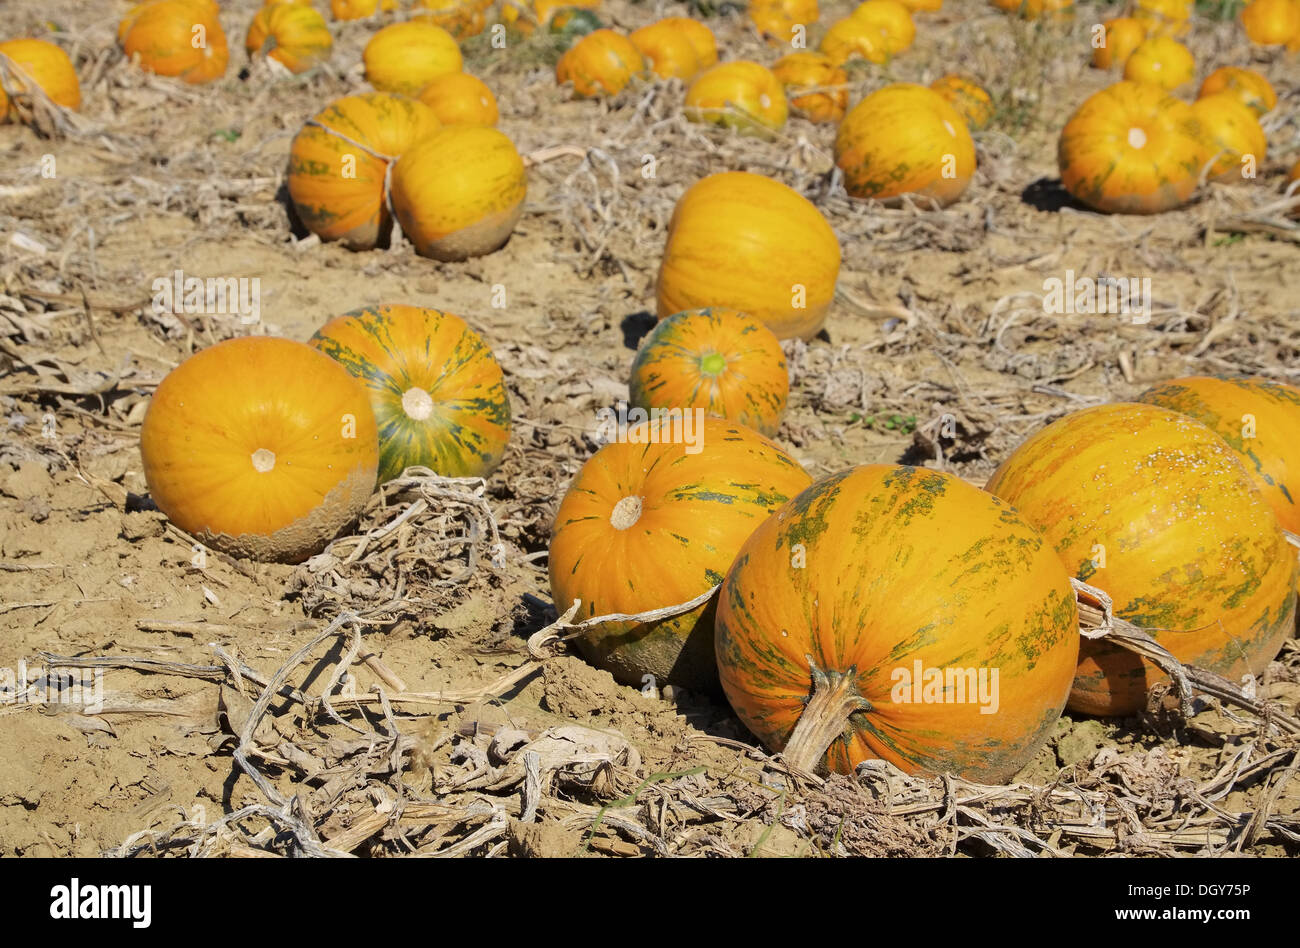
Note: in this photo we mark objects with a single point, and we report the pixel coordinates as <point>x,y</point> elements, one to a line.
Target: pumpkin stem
<point>263,460</point>
<point>625,513</point>
<point>825,717</point>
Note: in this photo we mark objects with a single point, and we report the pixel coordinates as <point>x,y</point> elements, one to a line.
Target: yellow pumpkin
<point>406,57</point>
<point>601,63</point>
<point>1271,22</point>
<point>1033,9</point>
<point>818,88</point>
<point>851,38</point>
<point>461,99</point>
<point>1163,17</point>
<point>699,36</point>
<point>1250,88</point>
<point>357,9</point>
<point>1161,61</point>
<point>458,193</point>
<point>1114,44</point>
<point>923,6</point>
<point>905,139</point>
<point>48,66</point>
<point>461,18</point>
<point>892,19</point>
<point>526,15</point>
<point>1233,137</point>
<point>971,101</point>
<point>292,34</point>
<point>777,20</point>
<point>739,94</point>
<point>1131,148</point>
<point>667,49</point>
<point>746,242</point>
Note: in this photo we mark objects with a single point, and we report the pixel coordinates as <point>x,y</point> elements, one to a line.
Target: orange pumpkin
<point>655,520</point>
<point>1250,88</point>
<point>1161,61</point>
<point>1033,9</point>
<point>1115,41</point>
<point>1154,508</point>
<point>526,15</point>
<point>180,38</point>
<point>1163,17</point>
<point>744,241</point>
<point>965,95</point>
<point>905,139</point>
<point>406,57</point>
<point>293,35</point>
<point>818,88</point>
<point>46,65</point>
<point>923,6</point>
<point>898,614</point>
<point>667,49</point>
<point>740,94</point>
<point>891,19</point>
<point>260,446</point>
<point>1131,149</point>
<point>357,9</point>
<point>461,18</point>
<point>778,20</point>
<point>338,164</point>
<point>850,38</point>
<point>720,360</point>
<point>1233,137</point>
<point>461,99</point>
<point>458,193</point>
<point>1259,419</point>
<point>601,63</point>
<point>1271,22</point>
<point>699,36</point>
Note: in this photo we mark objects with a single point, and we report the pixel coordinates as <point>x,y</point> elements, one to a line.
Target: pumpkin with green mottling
<point>721,360</point>
<point>856,624</point>
<point>438,393</point>
<point>292,34</point>
<point>654,520</point>
<point>1156,509</point>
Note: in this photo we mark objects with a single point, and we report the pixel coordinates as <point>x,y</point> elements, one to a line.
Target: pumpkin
<point>1120,37</point>
<point>1250,88</point>
<point>438,393</point>
<point>1259,419</point>
<point>261,447</point>
<point>655,520</point>
<point>461,99</point>
<point>971,101</point>
<point>1233,137</point>
<point>893,21</point>
<point>923,6</point>
<point>818,87</point>
<point>406,57</point>
<point>601,63</point>
<point>699,36</point>
<point>48,66</point>
<point>899,614</point>
<point>461,18</point>
<point>1154,508</point>
<point>1033,9</point>
<point>458,193</point>
<point>357,9</point>
<point>905,139</point>
<point>721,360</point>
<point>777,20</point>
<point>526,15</point>
<point>338,164</point>
<point>1131,149</point>
<point>1292,177</point>
<point>1161,61</point>
<point>747,242</point>
<point>740,94</point>
<point>179,38</point>
<point>667,49</point>
<point>293,35</point>
<point>850,37</point>
<point>1163,17</point>
<point>571,24</point>
<point>1271,22</point>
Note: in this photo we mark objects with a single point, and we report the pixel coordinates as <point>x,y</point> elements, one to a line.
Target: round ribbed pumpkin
<point>965,95</point>
<point>905,139</point>
<point>891,19</point>
<point>868,618</point>
<point>601,63</point>
<point>1259,419</point>
<point>667,50</point>
<point>260,446</point>
<point>1249,87</point>
<point>1271,22</point>
<point>293,35</point>
<point>740,94</point>
<point>438,393</point>
<point>461,99</point>
<point>357,9</point>
<point>776,20</point>
<point>1233,134</point>
<point>337,187</point>
<point>699,36</point>
<point>1154,508</point>
<point>652,522</point>
<point>458,193</point>
<point>461,18</point>
<point>721,360</point>
<point>1161,61</point>
<point>48,66</point>
<point>1131,149</point>
<point>180,38</point>
<point>1122,35</point>
<point>850,37</point>
<point>1163,17</point>
<point>406,57</point>
<point>818,88</point>
<point>747,242</point>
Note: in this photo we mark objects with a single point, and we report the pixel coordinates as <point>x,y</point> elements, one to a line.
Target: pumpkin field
<point>625,428</point>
